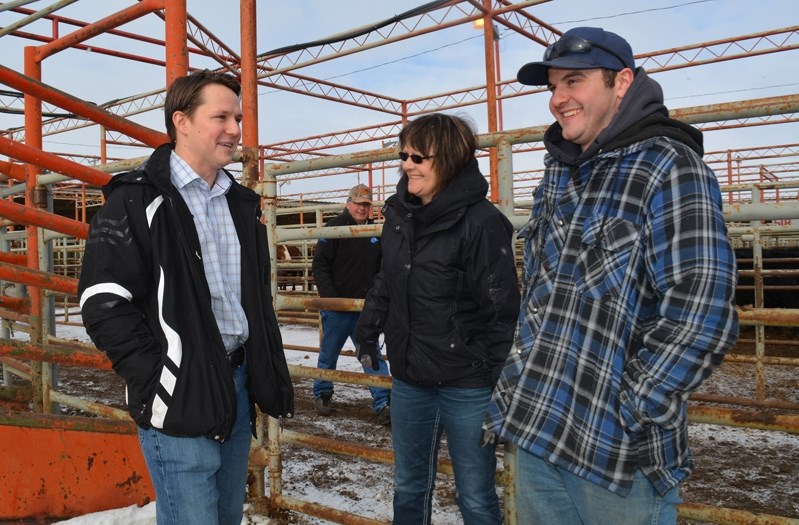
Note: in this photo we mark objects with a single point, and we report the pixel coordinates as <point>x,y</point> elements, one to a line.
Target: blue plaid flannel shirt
<point>627,306</point>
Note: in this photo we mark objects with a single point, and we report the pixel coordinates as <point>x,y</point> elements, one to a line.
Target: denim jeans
<point>419,415</point>
<point>336,328</point>
<point>196,479</point>
<point>547,494</point>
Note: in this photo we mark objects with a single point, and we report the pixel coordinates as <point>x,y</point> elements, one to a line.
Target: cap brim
<point>537,73</point>
<point>360,200</point>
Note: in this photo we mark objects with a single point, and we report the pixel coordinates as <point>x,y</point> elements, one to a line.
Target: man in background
<point>346,268</point>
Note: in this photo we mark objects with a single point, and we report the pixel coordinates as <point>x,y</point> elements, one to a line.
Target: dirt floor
<point>744,469</point>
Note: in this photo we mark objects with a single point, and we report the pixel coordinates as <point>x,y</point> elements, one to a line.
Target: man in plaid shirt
<point>627,301</point>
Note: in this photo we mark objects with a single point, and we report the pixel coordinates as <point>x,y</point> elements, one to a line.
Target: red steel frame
<point>279,70</point>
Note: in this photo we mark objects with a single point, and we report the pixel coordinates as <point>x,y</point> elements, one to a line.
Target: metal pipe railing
<point>58,354</point>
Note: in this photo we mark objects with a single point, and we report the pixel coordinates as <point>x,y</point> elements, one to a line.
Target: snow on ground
<point>365,488</point>
<point>352,485</point>
<point>134,515</point>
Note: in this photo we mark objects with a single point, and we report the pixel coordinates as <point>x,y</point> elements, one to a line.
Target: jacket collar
<point>467,188</point>
<point>156,171</point>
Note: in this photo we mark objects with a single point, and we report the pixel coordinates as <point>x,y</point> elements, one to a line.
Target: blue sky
<point>435,63</point>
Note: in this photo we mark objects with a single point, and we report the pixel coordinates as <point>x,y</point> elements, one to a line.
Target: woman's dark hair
<point>448,139</point>
<point>185,94</point>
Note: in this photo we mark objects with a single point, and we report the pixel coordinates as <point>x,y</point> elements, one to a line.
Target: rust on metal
<point>768,360</point>
<point>20,368</point>
<point>292,302</point>
<point>708,514</point>
<point>80,107</point>
<point>102,26</point>
<point>175,44</point>
<point>38,278</point>
<point>337,446</point>
<point>326,513</point>
<point>91,407</point>
<point>341,376</point>
<point>13,258</point>
<point>17,304</point>
<point>763,419</point>
<point>24,310</point>
<point>54,354</point>
<point>31,155</point>
<point>16,393</point>
<point>769,316</point>
<point>69,466</point>
<point>745,401</point>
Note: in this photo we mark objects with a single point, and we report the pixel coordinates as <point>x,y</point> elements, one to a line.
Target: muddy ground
<point>737,468</point>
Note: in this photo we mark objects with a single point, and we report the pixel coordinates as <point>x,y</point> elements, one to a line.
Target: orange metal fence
<point>92,463</point>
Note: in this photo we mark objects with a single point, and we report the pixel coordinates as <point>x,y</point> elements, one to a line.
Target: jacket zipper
<point>229,406</point>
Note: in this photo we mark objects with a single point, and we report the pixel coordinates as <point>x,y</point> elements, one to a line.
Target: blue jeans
<point>196,479</point>
<point>419,415</point>
<point>552,495</point>
<point>336,328</point>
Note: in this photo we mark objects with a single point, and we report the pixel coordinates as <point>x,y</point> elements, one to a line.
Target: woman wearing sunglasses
<point>447,300</point>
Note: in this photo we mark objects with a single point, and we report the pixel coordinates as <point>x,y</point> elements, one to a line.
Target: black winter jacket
<point>145,302</point>
<point>447,296</point>
<point>346,267</point>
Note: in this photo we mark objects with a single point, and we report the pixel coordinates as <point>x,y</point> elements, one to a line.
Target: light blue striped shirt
<point>221,251</point>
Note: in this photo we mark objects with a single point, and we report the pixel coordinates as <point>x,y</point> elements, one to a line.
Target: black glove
<point>367,354</point>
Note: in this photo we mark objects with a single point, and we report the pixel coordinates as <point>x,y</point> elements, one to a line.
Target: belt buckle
<point>235,357</point>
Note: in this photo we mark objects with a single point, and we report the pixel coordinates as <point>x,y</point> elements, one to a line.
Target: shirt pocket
<point>607,243</point>
<point>529,233</point>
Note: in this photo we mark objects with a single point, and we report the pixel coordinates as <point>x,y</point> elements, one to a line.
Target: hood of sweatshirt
<point>641,115</point>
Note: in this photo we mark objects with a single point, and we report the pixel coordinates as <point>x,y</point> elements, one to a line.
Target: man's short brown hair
<point>609,76</point>
<point>185,94</point>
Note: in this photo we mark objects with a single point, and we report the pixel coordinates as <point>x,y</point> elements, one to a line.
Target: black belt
<point>235,357</point>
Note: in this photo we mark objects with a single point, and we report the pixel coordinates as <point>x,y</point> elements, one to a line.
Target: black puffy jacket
<point>447,296</point>
<point>145,302</point>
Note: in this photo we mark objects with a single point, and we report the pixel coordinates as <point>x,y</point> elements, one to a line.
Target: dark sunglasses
<point>575,44</point>
<point>417,159</point>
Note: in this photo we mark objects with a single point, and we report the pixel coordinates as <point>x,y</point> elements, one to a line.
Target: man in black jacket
<point>347,268</point>
<point>175,289</point>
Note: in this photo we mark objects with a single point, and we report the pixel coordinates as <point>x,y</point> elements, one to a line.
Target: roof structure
<point>352,91</point>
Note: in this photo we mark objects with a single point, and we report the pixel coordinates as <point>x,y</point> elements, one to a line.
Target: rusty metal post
<point>760,329</point>
<point>509,483</point>
<point>83,203</point>
<point>177,51</point>
<point>275,466</point>
<point>505,177</point>
<point>729,174</point>
<point>103,145</point>
<point>489,40</point>
<point>33,138</point>
<point>249,94</point>
<point>251,163</point>
<point>269,194</point>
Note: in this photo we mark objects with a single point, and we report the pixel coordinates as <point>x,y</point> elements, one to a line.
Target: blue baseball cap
<point>580,48</point>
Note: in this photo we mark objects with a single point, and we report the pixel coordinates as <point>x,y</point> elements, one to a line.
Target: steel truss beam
<point>697,54</point>
<point>764,152</point>
<point>448,14</point>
